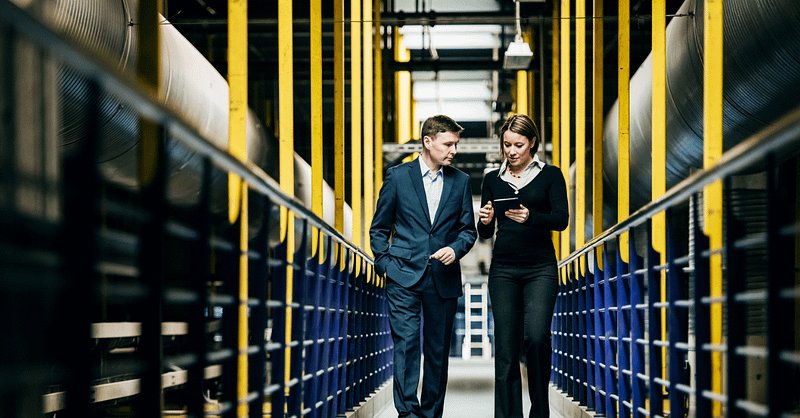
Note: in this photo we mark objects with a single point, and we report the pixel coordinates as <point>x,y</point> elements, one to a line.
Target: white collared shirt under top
<point>528,174</point>
<point>433,183</point>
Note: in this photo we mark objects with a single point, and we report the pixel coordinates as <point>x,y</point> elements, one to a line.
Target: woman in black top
<point>523,277</point>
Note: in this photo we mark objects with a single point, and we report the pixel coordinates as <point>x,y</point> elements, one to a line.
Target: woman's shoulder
<point>550,169</point>
<point>494,174</point>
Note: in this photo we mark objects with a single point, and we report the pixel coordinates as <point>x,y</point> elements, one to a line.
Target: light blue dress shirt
<point>433,187</point>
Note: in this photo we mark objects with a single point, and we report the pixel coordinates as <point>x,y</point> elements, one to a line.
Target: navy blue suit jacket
<point>402,238</point>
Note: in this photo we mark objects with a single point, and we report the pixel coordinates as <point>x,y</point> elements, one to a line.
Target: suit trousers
<point>409,309</point>
<point>523,298</point>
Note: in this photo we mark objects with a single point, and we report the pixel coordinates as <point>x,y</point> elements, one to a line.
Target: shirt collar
<point>424,169</point>
<point>535,163</point>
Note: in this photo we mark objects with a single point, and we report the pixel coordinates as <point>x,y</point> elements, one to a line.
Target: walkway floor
<point>470,391</point>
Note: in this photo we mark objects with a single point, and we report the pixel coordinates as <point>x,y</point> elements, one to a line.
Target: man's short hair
<point>439,123</point>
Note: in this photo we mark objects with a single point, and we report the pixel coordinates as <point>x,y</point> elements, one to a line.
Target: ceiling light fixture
<point>518,55</point>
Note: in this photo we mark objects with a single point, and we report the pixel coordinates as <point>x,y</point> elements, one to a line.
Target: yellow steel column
<point>659,159</point>
<point>402,92</point>
<point>566,96</point>
<point>530,87</point>
<point>237,146</point>
<point>315,35</point>
<point>378,50</point>
<point>712,150</point>
<point>556,107</point>
<point>522,92</point>
<point>286,149</point>
<point>315,82</point>
<point>623,86</point>
<point>580,124</point>
<point>355,117</point>
<point>369,168</point>
<point>338,112</point>
<point>597,119</point>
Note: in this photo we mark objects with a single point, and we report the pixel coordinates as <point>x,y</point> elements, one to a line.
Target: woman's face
<point>517,150</point>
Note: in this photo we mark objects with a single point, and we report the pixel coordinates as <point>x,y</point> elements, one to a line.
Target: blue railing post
<point>591,335</point>
<point>580,334</point>
<point>702,318</point>
<point>623,330</point>
<point>326,332</point>
<point>609,330</point>
<point>570,329</point>
<point>557,374</point>
<point>599,336</point>
<point>638,359</point>
<point>677,326</point>
<point>278,279</point>
<point>313,321</point>
<point>654,325</point>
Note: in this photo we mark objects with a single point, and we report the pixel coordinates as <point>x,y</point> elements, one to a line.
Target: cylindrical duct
<point>190,86</point>
<point>762,83</point>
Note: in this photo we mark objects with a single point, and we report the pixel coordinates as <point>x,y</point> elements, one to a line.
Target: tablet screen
<point>502,205</point>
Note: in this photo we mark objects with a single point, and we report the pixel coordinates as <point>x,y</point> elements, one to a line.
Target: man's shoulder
<point>403,166</point>
<point>394,170</point>
<point>452,171</point>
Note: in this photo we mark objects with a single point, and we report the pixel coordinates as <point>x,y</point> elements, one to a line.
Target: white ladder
<point>476,321</point>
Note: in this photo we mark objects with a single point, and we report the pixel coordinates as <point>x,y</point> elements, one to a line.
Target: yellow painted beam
<point>566,95</point>
<point>659,161</point>
<point>237,86</point>
<point>338,113</point>
<point>368,39</point>
<point>378,50</point>
<point>286,148</point>
<point>522,92</point>
<point>242,342</point>
<point>315,34</point>
<point>580,124</point>
<point>712,150</point>
<point>402,93</point>
<point>355,118</point>
<point>623,88</point>
<point>530,81</point>
<point>598,117</point>
<point>237,189</point>
<point>556,89</point>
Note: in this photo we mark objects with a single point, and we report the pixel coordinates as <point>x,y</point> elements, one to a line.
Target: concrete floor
<point>470,391</point>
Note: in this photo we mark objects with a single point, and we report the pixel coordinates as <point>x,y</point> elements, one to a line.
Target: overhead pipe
<point>762,83</point>
<point>190,86</point>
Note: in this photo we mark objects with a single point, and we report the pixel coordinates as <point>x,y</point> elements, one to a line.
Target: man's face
<point>442,147</point>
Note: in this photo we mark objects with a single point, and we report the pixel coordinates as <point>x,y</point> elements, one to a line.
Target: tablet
<point>502,205</point>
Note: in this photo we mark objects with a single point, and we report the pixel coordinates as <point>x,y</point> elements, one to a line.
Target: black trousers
<point>523,298</point>
<point>409,309</point>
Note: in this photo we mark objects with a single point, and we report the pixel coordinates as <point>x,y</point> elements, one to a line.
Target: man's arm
<point>466,224</point>
<point>382,222</point>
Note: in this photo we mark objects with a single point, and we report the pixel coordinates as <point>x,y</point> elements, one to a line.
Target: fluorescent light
<point>452,90</point>
<point>460,110</point>
<point>452,37</point>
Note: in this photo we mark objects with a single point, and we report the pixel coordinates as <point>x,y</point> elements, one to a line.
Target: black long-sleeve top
<point>529,243</point>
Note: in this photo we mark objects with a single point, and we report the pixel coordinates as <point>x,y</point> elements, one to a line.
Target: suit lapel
<point>416,180</point>
<point>446,187</point>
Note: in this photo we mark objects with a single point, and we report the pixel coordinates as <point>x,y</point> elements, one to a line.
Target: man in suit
<point>423,225</point>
